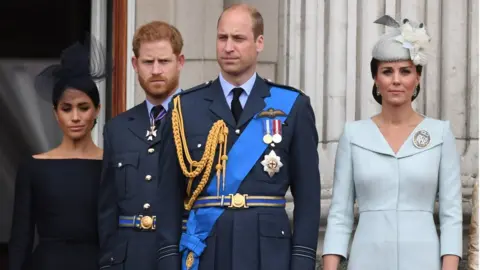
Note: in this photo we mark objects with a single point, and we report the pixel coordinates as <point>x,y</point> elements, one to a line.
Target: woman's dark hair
<point>85,85</point>
<point>374,70</point>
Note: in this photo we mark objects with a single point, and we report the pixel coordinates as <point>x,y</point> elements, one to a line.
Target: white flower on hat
<point>416,40</point>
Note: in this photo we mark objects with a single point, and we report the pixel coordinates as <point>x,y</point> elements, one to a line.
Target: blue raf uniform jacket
<point>131,188</point>
<point>256,238</point>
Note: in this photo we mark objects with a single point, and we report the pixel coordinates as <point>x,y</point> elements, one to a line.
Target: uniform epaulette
<point>268,81</point>
<point>195,88</point>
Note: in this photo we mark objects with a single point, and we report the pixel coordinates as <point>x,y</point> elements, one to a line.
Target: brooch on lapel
<point>272,128</point>
<point>271,163</point>
<point>421,139</point>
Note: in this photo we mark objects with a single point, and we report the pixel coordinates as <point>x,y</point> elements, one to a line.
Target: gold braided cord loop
<point>217,137</point>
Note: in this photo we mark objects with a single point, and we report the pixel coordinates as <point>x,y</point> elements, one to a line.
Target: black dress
<point>59,198</point>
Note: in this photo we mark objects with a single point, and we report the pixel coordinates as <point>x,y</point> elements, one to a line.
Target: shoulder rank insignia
<point>195,88</point>
<point>270,82</point>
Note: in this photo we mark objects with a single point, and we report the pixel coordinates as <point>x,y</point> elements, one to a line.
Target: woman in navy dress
<point>56,191</point>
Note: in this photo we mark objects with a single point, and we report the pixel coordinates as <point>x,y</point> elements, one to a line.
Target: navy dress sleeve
<point>23,225</point>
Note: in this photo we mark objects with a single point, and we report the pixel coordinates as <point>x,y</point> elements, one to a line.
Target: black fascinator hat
<point>80,66</point>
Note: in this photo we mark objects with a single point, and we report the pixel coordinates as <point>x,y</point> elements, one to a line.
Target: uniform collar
<point>164,103</point>
<point>247,86</point>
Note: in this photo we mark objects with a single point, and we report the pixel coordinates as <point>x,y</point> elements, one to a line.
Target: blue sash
<point>241,158</point>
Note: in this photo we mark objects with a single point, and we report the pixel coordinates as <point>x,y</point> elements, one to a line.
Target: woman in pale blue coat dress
<point>394,165</point>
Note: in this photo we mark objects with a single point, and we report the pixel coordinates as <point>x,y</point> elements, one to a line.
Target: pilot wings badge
<point>271,163</point>
<point>271,113</point>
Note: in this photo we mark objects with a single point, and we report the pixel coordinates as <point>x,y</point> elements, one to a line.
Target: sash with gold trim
<point>243,155</point>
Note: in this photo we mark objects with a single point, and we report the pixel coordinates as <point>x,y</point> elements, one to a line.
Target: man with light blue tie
<point>240,142</point>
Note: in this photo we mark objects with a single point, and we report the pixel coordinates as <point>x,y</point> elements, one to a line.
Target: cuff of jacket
<point>336,243</point>
<point>167,251</point>
<point>451,242</point>
<point>303,258</point>
<point>168,258</point>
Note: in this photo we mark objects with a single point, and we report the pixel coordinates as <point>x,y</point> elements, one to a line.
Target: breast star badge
<point>271,163</point>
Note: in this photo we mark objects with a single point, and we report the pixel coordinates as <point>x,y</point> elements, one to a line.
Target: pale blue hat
<point>406,41</point>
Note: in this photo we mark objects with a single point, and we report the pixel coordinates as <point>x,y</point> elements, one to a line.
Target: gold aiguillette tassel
<point>219,166</point>
<point>224,158</point>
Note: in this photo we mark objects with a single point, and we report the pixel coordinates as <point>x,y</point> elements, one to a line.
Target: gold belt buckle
<point>146,222</point>
<point>238,201</point>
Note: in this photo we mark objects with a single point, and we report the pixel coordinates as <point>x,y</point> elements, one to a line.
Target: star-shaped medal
<point>271,163</point>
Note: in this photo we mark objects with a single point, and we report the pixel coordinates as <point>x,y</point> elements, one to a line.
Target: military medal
<point>277,131</point>
<point>271,163</point>
<point>421,139</point>
<point>151,133</point>
<point>272,127</point>
<point>267,138</point>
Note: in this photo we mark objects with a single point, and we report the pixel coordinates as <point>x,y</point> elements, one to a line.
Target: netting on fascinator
<point>80,66</point>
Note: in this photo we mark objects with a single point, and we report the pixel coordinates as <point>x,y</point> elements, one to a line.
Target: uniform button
<point>120,164</point>
<point>237,131</point>
<point>151,150</point>
<point>146,206</point>
<point>283,233</point>
<point>199,145</point>
<point>148,177</point>
<point>112,259</point>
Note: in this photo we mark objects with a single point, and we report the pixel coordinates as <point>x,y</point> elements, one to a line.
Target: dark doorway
<point>34,33</point>
<point>43,28</point>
